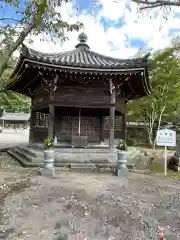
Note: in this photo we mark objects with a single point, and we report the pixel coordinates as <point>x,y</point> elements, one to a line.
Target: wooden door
<point>68,126</point>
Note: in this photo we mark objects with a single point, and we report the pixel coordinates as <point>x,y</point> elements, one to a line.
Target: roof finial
<point>82,37</point>
<point>82,41</point>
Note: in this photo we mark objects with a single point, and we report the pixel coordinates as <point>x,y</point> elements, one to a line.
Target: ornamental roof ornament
<point>82,38</point>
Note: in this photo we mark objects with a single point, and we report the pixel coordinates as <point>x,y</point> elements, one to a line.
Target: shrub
<point>131,142</point>
<point>48,143</point>
<point>122,145</point>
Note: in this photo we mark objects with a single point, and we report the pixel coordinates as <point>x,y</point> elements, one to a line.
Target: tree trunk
<point>157,125</point>
<point>7,54</point>
<point>23,34</point>
<point>150,138</point>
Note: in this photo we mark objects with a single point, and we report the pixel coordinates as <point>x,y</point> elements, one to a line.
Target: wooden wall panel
<point>41,96</point>
<point>120,104</point>
<point>79,96</point>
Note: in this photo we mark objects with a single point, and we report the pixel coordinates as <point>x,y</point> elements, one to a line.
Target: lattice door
<point>90,126</point>
<point>118,127</point>
<point>68,126</point>
<point>64,129</point>
<point>42,120</point>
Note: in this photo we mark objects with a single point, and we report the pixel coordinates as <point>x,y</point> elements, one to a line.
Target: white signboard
<point>166,137</point>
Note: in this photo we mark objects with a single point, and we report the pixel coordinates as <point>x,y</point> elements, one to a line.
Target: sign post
<point>166,138</point>
<point>165,161</point>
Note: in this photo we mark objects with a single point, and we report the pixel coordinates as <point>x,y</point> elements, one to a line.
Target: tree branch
<point>157,3</point>
<point>11,19</point>
<point>15,45</point>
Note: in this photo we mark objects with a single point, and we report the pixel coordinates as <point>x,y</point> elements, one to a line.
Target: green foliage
<point>48,143</point>
<point>130,142</point>
<point>37,17</point>
<point>122,145</point>
<point>11,101</point>
<point>33,17</point>
<point>163,102</point>
<point>62,236</point>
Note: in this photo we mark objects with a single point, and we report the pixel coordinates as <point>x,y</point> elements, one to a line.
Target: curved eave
<point>43,65</point>
<point>27,62</point>
<point>90,61</point>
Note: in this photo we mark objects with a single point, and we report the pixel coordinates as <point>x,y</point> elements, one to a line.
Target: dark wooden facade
<point>78,96</point>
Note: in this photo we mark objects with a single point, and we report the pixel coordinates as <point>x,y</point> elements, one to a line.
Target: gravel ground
<point>6,161</point>
<point>95,207</point>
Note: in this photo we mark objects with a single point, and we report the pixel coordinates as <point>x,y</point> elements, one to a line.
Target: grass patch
<point>158,168</point>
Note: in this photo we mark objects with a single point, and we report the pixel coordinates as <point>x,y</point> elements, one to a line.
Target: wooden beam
<point>112,116</point>
<point>79,105</point>
<point>51,121</point>
<point>32,123</point>
<point>42,105</point>
<point>125,121</point>
<point>102,128</point>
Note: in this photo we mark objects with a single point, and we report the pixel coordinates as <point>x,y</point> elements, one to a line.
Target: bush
<point>48,143</point>
<point>122,145</point>
<point>131,142</point>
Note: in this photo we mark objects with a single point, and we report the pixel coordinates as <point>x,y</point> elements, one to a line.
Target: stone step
<point>83,168</point>
<point>83,150</point>
<point>74,167</point>
<point>146,171</point>
<point>69,156</point>
<point>82,159</point>
<point>85,157</point>
<point>27,156</point>
<point>31,151</point>
<point>76,150</point>
<point>23,161</point>
<point>83,165</point>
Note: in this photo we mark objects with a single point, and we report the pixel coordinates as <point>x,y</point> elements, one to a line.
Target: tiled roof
<point>15,116</point>
<point>83,57</point>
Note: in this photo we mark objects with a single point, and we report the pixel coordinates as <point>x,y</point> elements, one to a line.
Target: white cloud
<point>153,29</point>
<point>112,10</point>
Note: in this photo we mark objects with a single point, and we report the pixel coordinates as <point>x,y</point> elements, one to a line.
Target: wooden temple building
<point>79,96</point>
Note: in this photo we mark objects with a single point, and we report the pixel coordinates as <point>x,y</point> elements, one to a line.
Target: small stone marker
<point>46,172</point>
<point>122,170</point>
<point>48,169</point>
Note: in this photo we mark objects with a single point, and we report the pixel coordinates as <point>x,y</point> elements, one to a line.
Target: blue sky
<point>113,28</point>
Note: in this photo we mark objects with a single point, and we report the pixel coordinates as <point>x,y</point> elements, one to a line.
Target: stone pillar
<point>51,121</point>
<point>111,119</point>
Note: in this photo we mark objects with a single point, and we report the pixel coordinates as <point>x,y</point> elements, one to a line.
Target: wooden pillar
<point>123,125</point>
<point>124,121</point>
<point>51,121</point>
<point>102,128</point>
<point>31,125</point>
<point>111,119</point>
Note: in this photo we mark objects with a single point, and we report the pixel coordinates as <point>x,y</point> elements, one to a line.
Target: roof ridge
<point>32,51</point>
<point>36,52</point>
<point>116,59</point>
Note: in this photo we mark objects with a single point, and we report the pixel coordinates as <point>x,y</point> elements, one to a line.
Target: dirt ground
<point>90,206</point>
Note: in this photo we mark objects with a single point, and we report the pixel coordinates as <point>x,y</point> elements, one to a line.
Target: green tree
<point>163,102</point>
<point>32,17</point>
<point>11,101</point>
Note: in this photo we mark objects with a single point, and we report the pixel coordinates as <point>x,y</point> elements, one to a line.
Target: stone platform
<point>80,159</point>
